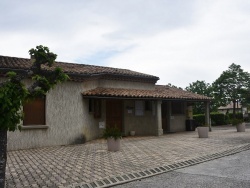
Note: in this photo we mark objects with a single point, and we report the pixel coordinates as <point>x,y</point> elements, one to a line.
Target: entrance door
<point>114,113</point>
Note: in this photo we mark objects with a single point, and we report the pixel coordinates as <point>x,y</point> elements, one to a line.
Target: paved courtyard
<point>70,166</point>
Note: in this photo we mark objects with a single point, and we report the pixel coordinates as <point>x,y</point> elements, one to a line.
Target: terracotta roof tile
<point>72,68</point>
<point>160,92</point>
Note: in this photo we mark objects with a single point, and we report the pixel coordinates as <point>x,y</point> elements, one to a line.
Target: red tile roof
<point>73,69</point>
<point>160,92</point>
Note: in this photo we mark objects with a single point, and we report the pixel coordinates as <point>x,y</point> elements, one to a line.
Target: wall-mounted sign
<point>130,111</point>
<point>102,125</point>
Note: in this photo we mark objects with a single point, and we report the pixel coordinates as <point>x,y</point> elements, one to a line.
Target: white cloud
<point>179,41</point>
<point>200,51</point>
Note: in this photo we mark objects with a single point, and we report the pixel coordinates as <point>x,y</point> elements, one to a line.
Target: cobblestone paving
<point>62,166</point>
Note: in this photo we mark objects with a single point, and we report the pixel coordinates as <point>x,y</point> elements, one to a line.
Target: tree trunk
<point>234,104</point>
<point>3,156</point>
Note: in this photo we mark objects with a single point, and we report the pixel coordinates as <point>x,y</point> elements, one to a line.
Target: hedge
<point>217,118</point>
<point>199,119</point>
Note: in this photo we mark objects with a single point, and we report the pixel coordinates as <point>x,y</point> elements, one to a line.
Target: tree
<point>246,98</point>
<point>232,86</point>
<point>202,88</point>
<point>13,93</point>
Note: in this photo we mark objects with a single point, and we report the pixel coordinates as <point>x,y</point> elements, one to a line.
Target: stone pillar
<point>207,115</point>
<point>159,130</point>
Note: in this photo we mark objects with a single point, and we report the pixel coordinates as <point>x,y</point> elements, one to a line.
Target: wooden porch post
<point>159,130</point>
<point>207,115</point>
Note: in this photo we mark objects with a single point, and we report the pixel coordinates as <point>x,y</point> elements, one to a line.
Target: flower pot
<point>114,145</point>
<point>241,127</point>
<point>132,133</point>
<point>203,132</point>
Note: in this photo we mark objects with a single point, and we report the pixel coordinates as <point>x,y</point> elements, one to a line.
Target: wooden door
<point>114,113</point>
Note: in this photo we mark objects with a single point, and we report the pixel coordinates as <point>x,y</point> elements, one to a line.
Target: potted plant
<point>113,136</point>
<point>240,126</point>
<point>203,131</point>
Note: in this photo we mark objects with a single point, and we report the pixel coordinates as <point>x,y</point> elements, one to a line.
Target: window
<point>34,112</point>
<point>177,108</point>
<point>139,108</point>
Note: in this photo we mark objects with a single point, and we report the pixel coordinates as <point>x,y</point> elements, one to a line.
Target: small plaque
<point>102,125</point>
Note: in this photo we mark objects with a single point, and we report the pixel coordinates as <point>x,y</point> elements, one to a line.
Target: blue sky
<point>180,41</point>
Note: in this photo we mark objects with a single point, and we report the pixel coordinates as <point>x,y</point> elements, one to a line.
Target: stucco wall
<point>125,84</point>
<point>67,118</point>
<point>142,125</point>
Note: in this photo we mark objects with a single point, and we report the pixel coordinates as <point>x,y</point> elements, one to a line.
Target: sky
<point>180,41</point>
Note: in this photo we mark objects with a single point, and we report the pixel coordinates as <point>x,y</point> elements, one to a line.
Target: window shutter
<point>34,112</point>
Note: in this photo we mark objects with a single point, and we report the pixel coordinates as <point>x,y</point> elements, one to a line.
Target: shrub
<point>238,118</point>
<point>236,121</point>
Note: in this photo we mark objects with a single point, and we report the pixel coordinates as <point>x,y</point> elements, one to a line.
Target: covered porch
<point>147,112</point>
